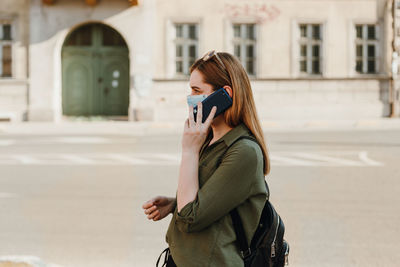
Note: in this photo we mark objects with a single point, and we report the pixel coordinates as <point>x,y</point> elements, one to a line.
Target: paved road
<point>75,200</point>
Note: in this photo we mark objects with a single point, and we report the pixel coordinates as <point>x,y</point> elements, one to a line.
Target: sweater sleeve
<point>229,186</point>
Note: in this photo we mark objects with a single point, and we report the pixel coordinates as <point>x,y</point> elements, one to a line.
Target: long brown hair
<point>243,108</point>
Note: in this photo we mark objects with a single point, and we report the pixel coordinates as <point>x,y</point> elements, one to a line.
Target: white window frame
<point>10,22</point>
<point>309,42</point>
<point>229,41</point>
<point>364,43</point>
<point>170,53</point>
<point>380,66</point>
<point>185,42</point>
<point>243,42</point>
<point>295,48</point>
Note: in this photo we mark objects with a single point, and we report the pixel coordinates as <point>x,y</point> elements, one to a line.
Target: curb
<point>23,261</point>
<point>156,128</point>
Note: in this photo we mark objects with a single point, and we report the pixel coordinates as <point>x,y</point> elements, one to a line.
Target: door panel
<point>115,89</point>
<point>77,83</point>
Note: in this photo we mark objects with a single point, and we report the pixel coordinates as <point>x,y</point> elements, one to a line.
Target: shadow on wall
<point>384,86</point>
<point>48,20</point>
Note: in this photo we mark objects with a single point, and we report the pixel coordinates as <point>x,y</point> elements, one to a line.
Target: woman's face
<point>197,84</point>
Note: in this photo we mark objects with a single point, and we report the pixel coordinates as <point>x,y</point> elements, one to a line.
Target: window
<point>397,4</point>
<point>310,48</point>
<point>244,46</point>
<point>5,49</point>
<point>366,49</point>
<point>81,37</point>
<point>186,47</point>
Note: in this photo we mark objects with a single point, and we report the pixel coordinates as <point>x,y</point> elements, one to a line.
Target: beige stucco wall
<point>277,31</point>
<point>13,91</point>
<point>291,99</point>
<point>280,91</point>
<point>51,24</point>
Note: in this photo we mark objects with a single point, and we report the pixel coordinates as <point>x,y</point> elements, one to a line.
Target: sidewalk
<point>23,261</point>
<point>156,128</point>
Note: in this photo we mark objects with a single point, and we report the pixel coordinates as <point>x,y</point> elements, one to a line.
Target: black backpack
<point>267,248</point>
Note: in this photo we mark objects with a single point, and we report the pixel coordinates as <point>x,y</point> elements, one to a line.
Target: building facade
<point>14,47</point>
<point>307,59</point>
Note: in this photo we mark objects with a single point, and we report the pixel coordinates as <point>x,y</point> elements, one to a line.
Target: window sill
<point>322,78</point>
<point>369,75</point>
<point>172,79</point>
<point>300,78</point>
<point>10,80</point>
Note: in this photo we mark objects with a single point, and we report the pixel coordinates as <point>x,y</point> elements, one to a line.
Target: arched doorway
<point>95,72</point>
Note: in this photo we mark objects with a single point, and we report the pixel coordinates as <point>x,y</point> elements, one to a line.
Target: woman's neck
<point>219,128</point>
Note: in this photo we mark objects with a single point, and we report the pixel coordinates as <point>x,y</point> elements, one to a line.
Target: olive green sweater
<point>202,234</point>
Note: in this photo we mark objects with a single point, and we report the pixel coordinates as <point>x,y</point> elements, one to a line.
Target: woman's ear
<point>228,90</point>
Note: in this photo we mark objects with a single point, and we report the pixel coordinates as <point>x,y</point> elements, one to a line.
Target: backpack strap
<point>245,250</point>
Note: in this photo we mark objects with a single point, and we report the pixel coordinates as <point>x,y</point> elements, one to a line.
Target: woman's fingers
<point>199,113</point>
<point>154,208</point>
<point>186,125</point>
<point>153,214</point>
<point>157,217</point>
<point>210,116</point>
<point>148,204</point>
<point>191,117</point>
<point>150,210</point>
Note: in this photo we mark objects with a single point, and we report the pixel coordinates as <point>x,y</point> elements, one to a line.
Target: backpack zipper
<point>273,242</point>
<point>287,254</point>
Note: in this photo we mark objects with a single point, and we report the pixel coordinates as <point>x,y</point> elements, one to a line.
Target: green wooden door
<point>114,72</point>
<point>95,67</point>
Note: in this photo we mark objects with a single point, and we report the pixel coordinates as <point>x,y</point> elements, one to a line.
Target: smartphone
<point>219,98</point>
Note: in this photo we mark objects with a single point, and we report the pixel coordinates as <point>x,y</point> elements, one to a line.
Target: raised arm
<point>194,135</point>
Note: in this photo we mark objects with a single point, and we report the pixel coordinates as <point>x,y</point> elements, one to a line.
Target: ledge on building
<point>311,78</point>
<point>89,2</point>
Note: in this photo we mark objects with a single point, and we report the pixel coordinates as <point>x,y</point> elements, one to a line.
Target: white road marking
<point>81,140</point>
<point>316,159</point>
<point>328,159</point>
<point>282,160</point>
<point>169,159</point>
<point>26,159</point>
<point>79,159</point>
<point>66,140</point>
<point>7,142</point>
<point>363,155</point>
<point>26,260</point>
<point>127,159</point>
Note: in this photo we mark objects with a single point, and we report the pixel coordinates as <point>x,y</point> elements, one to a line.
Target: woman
<point>213,179</point>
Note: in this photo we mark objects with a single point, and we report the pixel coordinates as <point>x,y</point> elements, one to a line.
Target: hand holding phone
<point>220,99</point>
